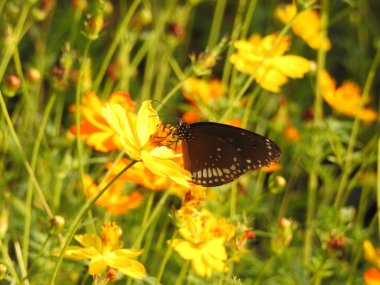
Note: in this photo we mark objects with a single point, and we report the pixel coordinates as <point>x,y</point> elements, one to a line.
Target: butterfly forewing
<point>216,154</point>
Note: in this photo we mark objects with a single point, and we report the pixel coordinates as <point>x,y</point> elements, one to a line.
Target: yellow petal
<point>185,249</point>
<point>292,66</point>
<point>97,265</point>
<point>124,125</point>
<point>122,261</point>
<point>161,165</point>
<point>77,252</point>
<point>89,240</point>
<point>147,122</point>
<point>201,267</point>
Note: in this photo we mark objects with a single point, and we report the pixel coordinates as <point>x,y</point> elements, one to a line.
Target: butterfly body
<point>216,154</point>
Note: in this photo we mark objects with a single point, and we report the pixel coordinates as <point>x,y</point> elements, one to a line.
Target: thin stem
<point>216,23</point>
<point>316,145</point>
<point>23,156</point>
<point>355,130</point>
<point>153,216</point>
<point>116,41</point>
<point>81,214</point>
<point>29,195</point>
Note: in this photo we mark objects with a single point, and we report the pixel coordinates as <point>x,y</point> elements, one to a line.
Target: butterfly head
<point>183,130</point>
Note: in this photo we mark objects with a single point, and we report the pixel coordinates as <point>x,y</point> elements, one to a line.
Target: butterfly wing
<point>217,154</point>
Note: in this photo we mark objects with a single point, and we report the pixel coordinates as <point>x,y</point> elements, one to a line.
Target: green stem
<point>16,37</point>
<point>316,144</point>
<point>23,156</point>
<point>9,262</point>
<point>355,130</point>
<point>33,162</point>
<point>153,216</point>
<point>182,274</point>
<point>120,33</point>
<point>81,214</point>
<point>168,253</point>
<point>78,96</point>
<point>216,23</point>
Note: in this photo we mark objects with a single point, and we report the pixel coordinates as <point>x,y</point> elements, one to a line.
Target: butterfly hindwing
<point>258,151</point>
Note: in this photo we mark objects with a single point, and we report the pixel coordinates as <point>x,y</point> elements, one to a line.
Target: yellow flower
<point>306,25</point>
<point>203,240</point>
<point>107,251</point>
<point>261,58</point>
<point>345,99</point>
<point>142,138</point>
<point>371,254</point>
<point>113,199</point>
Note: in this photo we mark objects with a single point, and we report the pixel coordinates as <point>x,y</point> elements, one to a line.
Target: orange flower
<point>274,166</point>
<point>200,92</point>
<point>94,129</point>
<point>113,199</point>
<point>264,59</point>
<point>345,99</point>
<point>140,175</point>
<point>306,25</point>
<point>292,133</point>
<point>372,276</point>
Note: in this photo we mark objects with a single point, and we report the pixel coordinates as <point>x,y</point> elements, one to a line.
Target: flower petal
<point>122,260</point>
<point>147,122</point>
<point>77,252</point>
<point>89,240</point>
<point>161,165</point>
<point>97,265</point>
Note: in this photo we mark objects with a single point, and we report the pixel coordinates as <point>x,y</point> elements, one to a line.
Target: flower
<point>200,92</point>
<point>94,129</point>
<point>273,166</point>
<point>371,254</point>
<point>264,59</point>
<point>106,250</point>
<point>345,99</point>
<point>144,138</point>
<point>203,240</point>
<point>141,175</point>
<point>372,276</point>
<point>292,133</point>
<point>113,199</point>
<point>305,24</point>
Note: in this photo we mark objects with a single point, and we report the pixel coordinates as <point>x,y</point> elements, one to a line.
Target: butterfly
<point>216,154</point>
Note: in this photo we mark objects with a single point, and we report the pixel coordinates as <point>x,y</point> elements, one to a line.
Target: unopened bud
<point>56,224</point>
<point>3,271</point>
<point>33,75</point>
<point>12,85</point>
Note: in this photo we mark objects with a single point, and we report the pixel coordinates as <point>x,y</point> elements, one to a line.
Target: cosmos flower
<point>345,99</point>
<point>114,200</point>
<point>203,240</point>
<point>200,92</point>
<point>371,254</point>
<point>264,59</point>
<point>306,25</point>
<point>94,129</point>
<point>106,251</point>
<point>143,138</point>
<point>372,276</point>
<point>141,175</point>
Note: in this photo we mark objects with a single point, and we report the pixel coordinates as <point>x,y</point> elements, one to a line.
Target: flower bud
<point>33,75</point>
<point>3,271</point>
<point>277,183</point>
<point>12,85</point>
<point>93,25</point>
<point>56,224</point>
